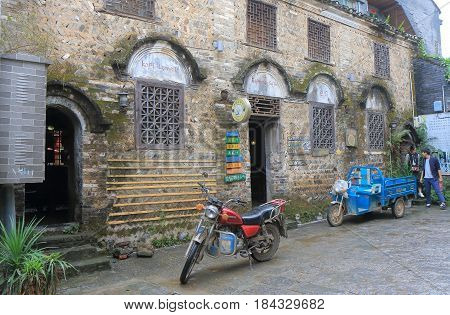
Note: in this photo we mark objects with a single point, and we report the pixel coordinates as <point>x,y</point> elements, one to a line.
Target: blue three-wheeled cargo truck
<point>367,190</point>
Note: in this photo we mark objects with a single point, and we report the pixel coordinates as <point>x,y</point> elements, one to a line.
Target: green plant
<point>168,241</point>
<point>424,140</point>
<point>72,229</point>
<point>401,26</point>
<point>445,62</point>
<point>446,192</point>
<point>26,269</point>
<point>305,211</point>
<point>397,167</point>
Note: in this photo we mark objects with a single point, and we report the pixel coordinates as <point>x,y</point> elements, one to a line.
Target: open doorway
<point>258,161</point>
<point>264,142</point>
<point>55,200</point>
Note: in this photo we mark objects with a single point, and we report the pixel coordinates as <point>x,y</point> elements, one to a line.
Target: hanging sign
<point>234,170</point>
<point>241,110</point>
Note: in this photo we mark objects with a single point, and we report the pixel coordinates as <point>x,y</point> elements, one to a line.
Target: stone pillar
<point>7,206</point>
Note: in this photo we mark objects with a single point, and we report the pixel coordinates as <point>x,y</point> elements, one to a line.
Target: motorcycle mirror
<point>205,175</point>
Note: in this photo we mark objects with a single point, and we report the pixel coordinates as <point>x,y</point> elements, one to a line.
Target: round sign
<point>241,110</point>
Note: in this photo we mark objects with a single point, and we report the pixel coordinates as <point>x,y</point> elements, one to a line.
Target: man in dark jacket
<point>432,175</point>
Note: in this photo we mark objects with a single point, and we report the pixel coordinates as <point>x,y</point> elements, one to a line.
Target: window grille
<point>319,41</point>
<point>375,129</point>
<point>265,106</point>
<point>261,24</point>
<point>160,115</point>
<point>141,8</point>
<point>382,60</point>
<point>322,126</point>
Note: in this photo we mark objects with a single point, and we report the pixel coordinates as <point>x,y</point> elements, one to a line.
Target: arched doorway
<point>57,199</point>
<point>266,88</point>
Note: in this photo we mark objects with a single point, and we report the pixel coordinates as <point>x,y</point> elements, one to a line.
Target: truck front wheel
<point>335,216</point>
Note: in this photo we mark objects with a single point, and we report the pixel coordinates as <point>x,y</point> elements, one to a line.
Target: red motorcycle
<point>223,232</point>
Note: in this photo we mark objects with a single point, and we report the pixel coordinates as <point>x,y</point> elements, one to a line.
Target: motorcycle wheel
<point>268,252</point>
<point>334,216</point>
<point>190,262</point>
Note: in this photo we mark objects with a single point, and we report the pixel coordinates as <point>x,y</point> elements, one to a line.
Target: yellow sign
<point>241,110</point>
<point>234,165</point>
<point>233,146</point>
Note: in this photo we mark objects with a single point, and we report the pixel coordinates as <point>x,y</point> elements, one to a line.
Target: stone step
<point>57,241</point>
<point>72,254</point>
<point>89,265</point>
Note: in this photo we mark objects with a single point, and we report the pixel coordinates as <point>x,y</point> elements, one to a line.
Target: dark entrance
<point>55,200</point>
<point>258,161</point>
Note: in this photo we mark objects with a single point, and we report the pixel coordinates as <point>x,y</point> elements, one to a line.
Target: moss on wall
<point>66,72</point>
<point>301,85</point>
<point>123,48</point>
<point>118,119</point>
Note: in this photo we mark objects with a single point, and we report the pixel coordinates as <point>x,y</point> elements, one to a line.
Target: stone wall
<point>89,42</point>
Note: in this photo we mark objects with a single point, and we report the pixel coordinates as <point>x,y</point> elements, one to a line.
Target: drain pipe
<point>444,103</point>
<point>411,92</point>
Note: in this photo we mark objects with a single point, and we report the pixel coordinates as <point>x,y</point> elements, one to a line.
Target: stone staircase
<point>78,249</point>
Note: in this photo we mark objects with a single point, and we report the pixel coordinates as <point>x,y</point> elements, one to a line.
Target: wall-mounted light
<point>123,99</point>
<point>218,45</point>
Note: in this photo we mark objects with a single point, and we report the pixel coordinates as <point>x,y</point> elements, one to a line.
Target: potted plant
<point>24,268</point>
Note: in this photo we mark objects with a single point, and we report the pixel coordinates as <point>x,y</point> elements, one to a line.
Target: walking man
<point>432,175</point>
<point>412,159</point>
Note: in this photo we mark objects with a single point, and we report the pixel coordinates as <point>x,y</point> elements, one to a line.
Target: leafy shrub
<point>168,241</point>
<point>308,211</point>
<point>24,268</point>
<point>446,192</point>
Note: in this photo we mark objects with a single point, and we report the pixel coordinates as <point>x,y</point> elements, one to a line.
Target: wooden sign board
<point>234,165</point>
<point>233,146</point>
<point>235,178</point>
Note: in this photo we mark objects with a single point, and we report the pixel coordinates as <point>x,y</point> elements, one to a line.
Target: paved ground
<point>368,255</point>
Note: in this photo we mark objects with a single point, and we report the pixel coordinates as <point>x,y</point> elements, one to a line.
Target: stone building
<point>324,82</point>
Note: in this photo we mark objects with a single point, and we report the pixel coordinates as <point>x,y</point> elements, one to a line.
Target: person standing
<point>412,159</point>
<point>432,177</point>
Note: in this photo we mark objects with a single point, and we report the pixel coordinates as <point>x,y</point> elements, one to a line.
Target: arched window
<point>161,76</point>
<point>266,87</point>
<point>323,99</point>
<point>377,105</point>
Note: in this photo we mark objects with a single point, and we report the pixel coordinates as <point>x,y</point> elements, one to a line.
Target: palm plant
<point>397,167</point>
<point>26,269</point>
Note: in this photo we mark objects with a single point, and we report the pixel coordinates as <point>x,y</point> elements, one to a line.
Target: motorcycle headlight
<point>211,212</point>
<point>340,187</point>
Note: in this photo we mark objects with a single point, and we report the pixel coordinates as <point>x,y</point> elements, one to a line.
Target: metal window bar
<point>262,24</point>
<point>382,60</point>
<point>319,47</point>
<point>322,126</point>
<point>265,106</point>
<point>141,8</point>
<point>160,116</point>
<point>375,130</point>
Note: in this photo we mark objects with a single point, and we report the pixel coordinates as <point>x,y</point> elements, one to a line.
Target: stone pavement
<point>375,254</point>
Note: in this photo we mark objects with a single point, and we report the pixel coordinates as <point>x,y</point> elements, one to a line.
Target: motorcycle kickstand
<point>250,259</point>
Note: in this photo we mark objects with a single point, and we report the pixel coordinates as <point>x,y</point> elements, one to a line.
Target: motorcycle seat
<point>257,215</point>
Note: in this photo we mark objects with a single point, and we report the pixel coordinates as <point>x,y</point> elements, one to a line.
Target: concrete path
<point>375,254</point>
